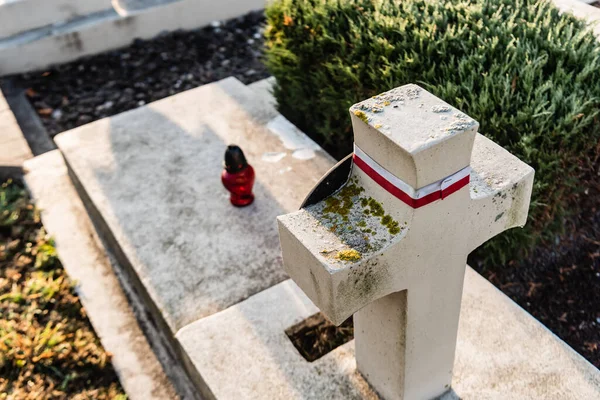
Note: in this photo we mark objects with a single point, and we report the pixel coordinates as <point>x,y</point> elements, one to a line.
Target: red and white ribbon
<point>403,191</point>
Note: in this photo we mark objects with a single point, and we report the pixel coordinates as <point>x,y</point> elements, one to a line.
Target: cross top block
<point>417,137</point>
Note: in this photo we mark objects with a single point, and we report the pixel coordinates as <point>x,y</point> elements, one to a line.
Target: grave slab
<point>502,353</point>
<point>264,87</point>
<point>151,179</point>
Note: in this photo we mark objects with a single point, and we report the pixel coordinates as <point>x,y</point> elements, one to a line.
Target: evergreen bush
<point>528,74</point>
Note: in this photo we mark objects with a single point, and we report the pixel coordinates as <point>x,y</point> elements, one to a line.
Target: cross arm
<point>334,249</point>
<point>339,287</point>
<point>501,186</point>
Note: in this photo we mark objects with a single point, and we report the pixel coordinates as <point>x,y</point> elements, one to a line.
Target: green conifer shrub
<point>528,74</point>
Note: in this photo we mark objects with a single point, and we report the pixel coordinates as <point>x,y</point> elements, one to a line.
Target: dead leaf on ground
<point>563,317</point>
<point>591,346</point>
<point>532,288</point>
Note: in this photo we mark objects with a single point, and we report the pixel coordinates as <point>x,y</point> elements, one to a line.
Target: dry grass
<point>48,349</point>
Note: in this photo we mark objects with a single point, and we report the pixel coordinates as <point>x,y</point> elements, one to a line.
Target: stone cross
<point>390,246</point>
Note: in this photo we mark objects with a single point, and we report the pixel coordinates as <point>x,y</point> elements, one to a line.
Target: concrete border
<point>16,15</point>
<point>119,325</point>
<point>106,30</point>
<point>27,119</point>
<point>14,149</point>
<point>582,10</point>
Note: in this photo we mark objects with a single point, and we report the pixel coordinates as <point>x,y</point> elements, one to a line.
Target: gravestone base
<point>212,276</point>
<point>502,353</point>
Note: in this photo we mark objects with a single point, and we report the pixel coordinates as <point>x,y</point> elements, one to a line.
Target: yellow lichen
<point>341,202</point>
<point>363,117</point>
<point>348,255</point>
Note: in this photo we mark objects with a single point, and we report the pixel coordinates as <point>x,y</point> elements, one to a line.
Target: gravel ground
<point>99,86</point>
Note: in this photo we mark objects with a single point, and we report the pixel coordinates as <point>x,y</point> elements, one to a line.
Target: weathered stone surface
<point>152,175</point>
<point>244,353</point>
<point>503,353</point>
<point>264,88</point>
<point>413,134</point>
<point>18,16</point>
<point>85,260</point>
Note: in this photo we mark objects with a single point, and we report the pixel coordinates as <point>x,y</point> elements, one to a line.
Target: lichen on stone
<point>356,220</point>
<point>348,255</point>
<point>440,109</point>
<point>375,208</point>
<point>461,123</point>
<point>342,202</point>
<point>362,116</point>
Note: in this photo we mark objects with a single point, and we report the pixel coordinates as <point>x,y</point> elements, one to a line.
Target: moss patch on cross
<point>357,221</point>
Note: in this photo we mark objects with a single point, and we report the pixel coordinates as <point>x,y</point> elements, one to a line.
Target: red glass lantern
<point>238,177</point>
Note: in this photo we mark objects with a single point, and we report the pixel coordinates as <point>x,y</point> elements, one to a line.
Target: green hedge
<point>529,75</point>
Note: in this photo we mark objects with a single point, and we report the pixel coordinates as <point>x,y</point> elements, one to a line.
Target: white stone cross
<point>391,245</point>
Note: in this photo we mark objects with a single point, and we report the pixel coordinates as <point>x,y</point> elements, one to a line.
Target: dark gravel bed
<point>559,284</point>
<point>99,86</point>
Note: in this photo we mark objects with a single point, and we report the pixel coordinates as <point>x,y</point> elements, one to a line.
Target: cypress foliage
<point>529,75</point>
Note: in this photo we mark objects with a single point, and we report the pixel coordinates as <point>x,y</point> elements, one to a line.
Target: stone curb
<point>14,149</point>
<point>87,262</point>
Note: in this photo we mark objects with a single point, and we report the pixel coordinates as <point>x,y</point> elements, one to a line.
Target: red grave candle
<point>238,177</point>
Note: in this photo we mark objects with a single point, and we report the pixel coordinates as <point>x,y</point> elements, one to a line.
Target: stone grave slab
<point>151,179</point>
<point>502,353</point>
